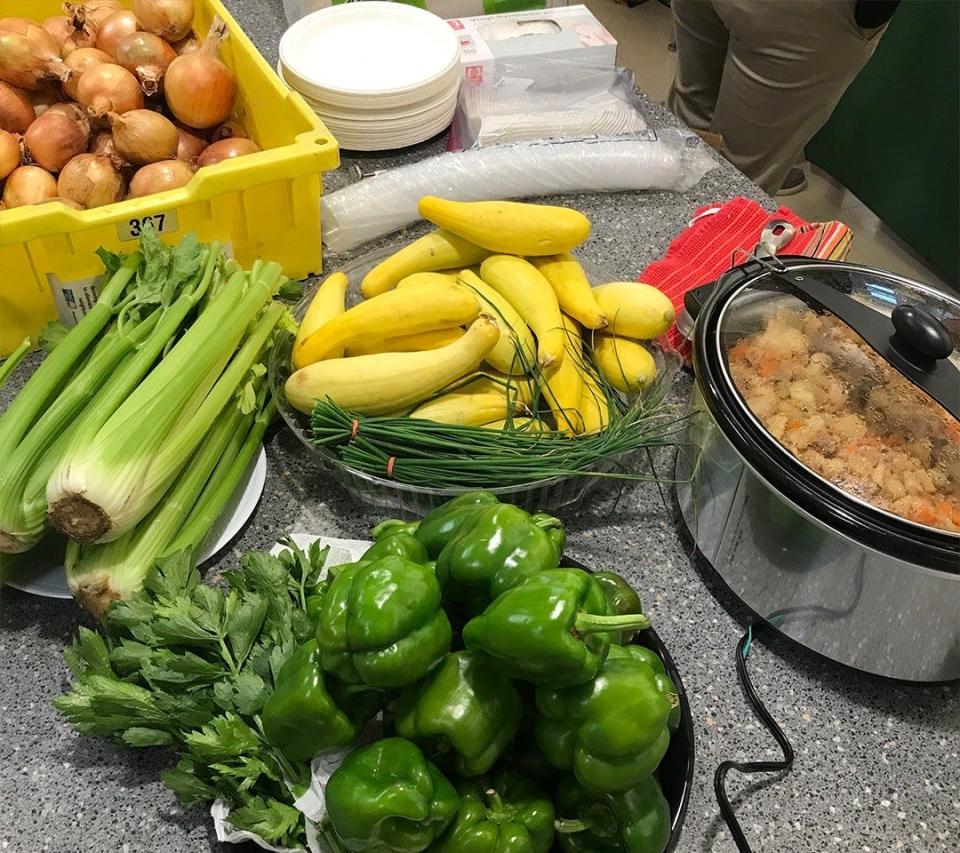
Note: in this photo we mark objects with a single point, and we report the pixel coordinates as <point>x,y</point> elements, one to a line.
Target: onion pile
<point>104,95</point>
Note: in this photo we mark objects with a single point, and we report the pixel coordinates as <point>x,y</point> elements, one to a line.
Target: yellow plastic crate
<point>265,205</point>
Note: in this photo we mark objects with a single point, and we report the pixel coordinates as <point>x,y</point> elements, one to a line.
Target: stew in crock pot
<point>844,412</point>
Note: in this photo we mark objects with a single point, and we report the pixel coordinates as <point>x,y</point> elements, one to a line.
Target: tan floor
<point>643,34</point>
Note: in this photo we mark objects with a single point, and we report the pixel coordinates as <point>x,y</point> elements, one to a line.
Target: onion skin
<point>54,139</point>
<point>109,88</point>
<point>169,19</point>
<point>146,55</point>
<point>199,88</point>
<point>79,61</point>
<point>114,28</point>
<point>16,25</point>
<point>67,35</point>
<point>189,145</point>
<point>158,177</point>
<point>101,142</point>
<point>93,12</point>
<point>143,136</point>
<point>91,180</point>
<point>71,110</point>
<point>28,185</point>
<point>227,149</point>
<point>228,130</point>
<point>190,44</point>
<point>9,153</point>
<point>28,60</point>
<point>44,98</point>
<point>16,111</point>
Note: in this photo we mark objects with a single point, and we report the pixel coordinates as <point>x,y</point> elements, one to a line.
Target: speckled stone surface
<point>878,763</point>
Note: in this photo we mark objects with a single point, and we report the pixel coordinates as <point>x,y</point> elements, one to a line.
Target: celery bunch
<point>132,434</point>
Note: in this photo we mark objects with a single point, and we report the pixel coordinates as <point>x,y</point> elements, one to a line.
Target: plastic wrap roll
<point>388,201</point>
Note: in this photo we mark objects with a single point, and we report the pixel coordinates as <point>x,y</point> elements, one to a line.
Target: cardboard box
<point>569,32</point>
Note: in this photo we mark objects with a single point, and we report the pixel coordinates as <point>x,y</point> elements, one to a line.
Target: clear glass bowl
<point>543,495</point>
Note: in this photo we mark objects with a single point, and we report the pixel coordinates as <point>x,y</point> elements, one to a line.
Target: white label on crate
<point>163,221</point>
<point>73,299</point>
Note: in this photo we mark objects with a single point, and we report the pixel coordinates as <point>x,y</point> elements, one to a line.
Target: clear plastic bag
<point>675,160</point>
<point>530,98</point>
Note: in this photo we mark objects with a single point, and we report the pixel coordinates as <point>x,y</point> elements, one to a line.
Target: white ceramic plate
<point>371,49</point>
<point>47,577</point>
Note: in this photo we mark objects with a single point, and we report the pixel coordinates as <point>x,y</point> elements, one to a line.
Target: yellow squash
<point>625,364</point>
<point>515,352</point>
<point>466,409</point>
<point>509,227</point>
<point>635,310</point>
<point>326,304</point>
<point>570,283</point>
<point>593,406</point>
<point>518,425</point>
<point>445,277</point>
<point>438,250</point>
<point>408,343</point>
<point>564,383</point>
<point>389,382</point>
<point>525,288</point>
<point>411,310</point>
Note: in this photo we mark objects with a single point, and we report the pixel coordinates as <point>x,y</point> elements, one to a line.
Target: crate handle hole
<point>321,141</point>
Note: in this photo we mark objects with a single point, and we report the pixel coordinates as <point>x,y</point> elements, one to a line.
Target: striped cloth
<point>716,240</point>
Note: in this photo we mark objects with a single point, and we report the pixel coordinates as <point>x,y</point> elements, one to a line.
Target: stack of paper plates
<point>380,75</point>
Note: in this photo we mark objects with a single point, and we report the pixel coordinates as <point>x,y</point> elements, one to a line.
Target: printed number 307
<point>137,225</point>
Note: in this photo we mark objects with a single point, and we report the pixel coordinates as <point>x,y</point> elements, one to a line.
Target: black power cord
<point>749,767</point>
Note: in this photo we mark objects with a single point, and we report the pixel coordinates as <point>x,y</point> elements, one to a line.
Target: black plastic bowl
<point>675,772</point>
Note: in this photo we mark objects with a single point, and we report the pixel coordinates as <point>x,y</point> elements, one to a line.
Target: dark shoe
<point>794,182</point>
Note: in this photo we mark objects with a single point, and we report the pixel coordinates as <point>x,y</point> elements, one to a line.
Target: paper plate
<point>47,577</point>
<point>370,50</point>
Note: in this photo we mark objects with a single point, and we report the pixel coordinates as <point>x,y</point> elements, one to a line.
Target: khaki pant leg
<point>701,52</point>
<point>788,63</point>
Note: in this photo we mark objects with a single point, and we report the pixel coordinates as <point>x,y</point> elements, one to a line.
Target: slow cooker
<point>820,478</point>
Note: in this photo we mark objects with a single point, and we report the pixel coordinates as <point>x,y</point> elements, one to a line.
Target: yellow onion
<point>9,153</point>
<point>189,145</point>
<point>143,136</point>
<point>228,130</point>
<point>201,90</point>
<point>146,55</point>
<point>79,61</point>
<point>157,177</point>
<point>91,180</point>
<point>28,185</point>
<point>226,149</point>
<point>114,28</point>
<point>16,111</point>
<point>16,25</point>
<point>67,35</point>
<point>69,202</point>
<point>108,88</point>
<point>54,139</point>
<point>169,19</point>
<point>190,44</point>
<point>30,59</point>
<point>92,13</point>
<point>70,110</point>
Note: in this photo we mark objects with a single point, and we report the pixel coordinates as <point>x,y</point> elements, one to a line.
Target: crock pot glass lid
<point>833,401</point>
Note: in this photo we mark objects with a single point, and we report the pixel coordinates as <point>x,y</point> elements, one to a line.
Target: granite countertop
<point>877,766</point>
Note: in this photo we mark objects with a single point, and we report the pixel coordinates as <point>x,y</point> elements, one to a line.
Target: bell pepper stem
<point>567,826</point>
<point>546,522</point>
<point>589,623</point>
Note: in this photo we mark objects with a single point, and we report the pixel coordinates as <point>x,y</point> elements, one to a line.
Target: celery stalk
<point>116,480</point>
<point>12,360</point>
<point>36,394</point>
<point>99,574</point>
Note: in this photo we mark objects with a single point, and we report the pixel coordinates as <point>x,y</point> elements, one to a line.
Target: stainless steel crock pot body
<point>862,597</point>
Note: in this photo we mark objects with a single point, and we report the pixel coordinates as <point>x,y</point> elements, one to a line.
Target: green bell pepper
<point>663,681</point>
<point>507,814</point>
<point>633,821</point>
<point>611,731</point>
<point>621,598</point>
<point>552,629</point>
<point>496,549</point>
<point>467,705</point>
<point>300,716</point>
<point>442,524</point>
<point>386,797</point>
<point>398,543</point>
<point>381,623</point>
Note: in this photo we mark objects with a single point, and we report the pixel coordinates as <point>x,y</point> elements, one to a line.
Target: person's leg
<point>701,40</point>
<point>788,63</point>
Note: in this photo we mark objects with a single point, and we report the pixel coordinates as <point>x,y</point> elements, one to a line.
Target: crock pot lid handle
<point>933,374</point>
